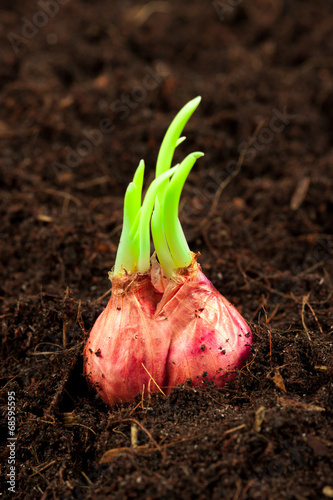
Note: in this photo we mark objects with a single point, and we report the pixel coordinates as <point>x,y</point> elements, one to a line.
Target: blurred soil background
<point>87,89</point>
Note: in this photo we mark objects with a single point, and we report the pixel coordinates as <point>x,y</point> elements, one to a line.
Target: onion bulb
<point>165,321</point>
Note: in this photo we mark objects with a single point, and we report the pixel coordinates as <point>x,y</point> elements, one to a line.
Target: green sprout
<point>159,208</point>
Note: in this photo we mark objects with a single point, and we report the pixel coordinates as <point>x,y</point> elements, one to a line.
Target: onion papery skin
<point>179,329</point>
<point>210,340</point>
<point>123,338</point>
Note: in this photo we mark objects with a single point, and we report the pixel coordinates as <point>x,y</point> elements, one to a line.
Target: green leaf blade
<point>174,234</point>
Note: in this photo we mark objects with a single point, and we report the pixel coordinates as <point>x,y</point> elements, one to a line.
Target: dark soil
<point>264,71</point>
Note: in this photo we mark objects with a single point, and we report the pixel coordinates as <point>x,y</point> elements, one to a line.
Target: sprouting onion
<point>170,243</point>
<point>165,322</point>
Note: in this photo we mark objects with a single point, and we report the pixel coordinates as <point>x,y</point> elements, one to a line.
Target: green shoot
<point>163,197</point>
<point>128,249</point>
<point>179,255</point>
<point>171,139</point>
<point>160,242</point>
<point>174,235</point>
<point>133,253</point>
<point>144,225</point>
